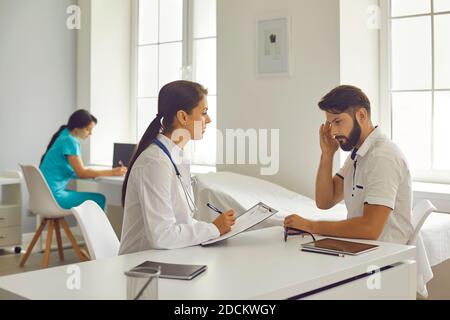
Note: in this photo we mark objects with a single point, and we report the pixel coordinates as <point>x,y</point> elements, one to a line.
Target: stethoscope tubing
<point>188,197</point>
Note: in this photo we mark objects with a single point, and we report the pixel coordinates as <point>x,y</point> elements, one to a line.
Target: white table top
<point>252,265</point>
<point>110,180</point>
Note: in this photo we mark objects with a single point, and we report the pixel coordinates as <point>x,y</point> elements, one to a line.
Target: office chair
<point>43,204</point>
<point>420,213</point>
<point>97,231</point>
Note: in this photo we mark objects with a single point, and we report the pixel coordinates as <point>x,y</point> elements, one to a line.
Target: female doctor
<point>62,162</point>
<point>157,193</point>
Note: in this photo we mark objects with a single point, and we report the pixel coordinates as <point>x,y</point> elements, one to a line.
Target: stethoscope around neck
<point>188,197</point>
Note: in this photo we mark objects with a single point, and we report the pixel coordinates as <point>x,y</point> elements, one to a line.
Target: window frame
<point>386,110</point>
<point>188,67</point>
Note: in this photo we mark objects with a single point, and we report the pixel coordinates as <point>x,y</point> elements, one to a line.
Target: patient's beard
<point>352,141</point>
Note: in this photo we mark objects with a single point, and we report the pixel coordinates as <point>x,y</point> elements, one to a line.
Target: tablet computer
<point>339,246</point>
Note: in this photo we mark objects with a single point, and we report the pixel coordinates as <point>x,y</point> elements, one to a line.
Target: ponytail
<point>173,97</point>
<point>52,141</point>
<point>78,120</point>
<point>147,139</point>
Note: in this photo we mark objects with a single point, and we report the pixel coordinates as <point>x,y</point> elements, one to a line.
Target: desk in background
<point>111,188</point>
<point>252,265</point>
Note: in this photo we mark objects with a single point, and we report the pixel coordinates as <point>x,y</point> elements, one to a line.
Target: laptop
<point>122,154</point>
<point>173,271</point>
<point>328,245</point>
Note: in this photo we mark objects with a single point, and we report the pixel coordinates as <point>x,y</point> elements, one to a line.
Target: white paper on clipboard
<point>248,219</point>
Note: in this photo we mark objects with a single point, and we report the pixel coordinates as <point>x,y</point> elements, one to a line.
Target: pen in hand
<point>214,208</point>
<point>119,171</point>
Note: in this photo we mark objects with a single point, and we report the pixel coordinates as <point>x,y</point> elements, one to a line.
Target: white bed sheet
<point>436,237</point>
<point>227,190</point>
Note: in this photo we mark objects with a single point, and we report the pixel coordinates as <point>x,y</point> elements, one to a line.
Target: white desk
<point>111,188</point>
<point>252,265</point>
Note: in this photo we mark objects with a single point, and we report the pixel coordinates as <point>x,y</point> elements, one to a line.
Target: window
<point>418,49</point>
<point>176,39</point>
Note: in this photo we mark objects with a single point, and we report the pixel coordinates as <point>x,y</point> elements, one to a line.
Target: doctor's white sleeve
<point>161,228</point>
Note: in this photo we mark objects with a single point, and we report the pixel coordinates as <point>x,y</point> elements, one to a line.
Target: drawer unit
<point>10,210</point>
<point>9,216</point>
<point>10,236</point>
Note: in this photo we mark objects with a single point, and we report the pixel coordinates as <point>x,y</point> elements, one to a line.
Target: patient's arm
<point>369,226</point>
<point>329,189</point>
<point>86,173</point>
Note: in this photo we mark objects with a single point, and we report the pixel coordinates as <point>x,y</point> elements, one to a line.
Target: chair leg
<point>85,253</point>
<point>40,240</point>
<point>72,240</point>
<point>58,240</point>
<point>48,245</point>
<point>33,242</point>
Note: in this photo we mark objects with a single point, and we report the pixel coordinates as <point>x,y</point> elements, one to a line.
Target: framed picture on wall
<point>273,46</point>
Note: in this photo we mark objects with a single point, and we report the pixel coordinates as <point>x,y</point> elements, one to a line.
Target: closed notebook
<point>174,271</point>
<point>339,246</point>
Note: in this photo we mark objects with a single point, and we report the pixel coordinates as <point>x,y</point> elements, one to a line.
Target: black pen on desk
<point>327,253</point>
<point>214,208</point>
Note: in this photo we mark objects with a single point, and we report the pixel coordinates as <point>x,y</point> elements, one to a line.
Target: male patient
<point>375,181</point>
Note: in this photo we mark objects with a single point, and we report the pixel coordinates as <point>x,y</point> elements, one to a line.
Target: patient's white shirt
<point>378,174</point>
<point>156,214</point>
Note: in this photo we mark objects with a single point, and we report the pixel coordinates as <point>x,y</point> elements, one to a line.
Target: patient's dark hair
<point>80,119</point>
<point>173,97</point>
<point>344,99</point>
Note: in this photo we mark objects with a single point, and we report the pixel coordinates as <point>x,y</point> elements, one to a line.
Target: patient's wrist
<point>327,156</point>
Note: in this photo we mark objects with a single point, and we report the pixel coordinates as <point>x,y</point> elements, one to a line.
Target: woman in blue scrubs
<point>62,162</point>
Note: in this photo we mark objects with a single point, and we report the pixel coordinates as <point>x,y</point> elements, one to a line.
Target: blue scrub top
<point>56,167</point>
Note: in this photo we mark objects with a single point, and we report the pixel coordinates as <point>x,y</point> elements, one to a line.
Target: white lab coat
<point>157,215</point>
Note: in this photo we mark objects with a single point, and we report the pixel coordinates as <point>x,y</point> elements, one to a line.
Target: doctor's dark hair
<point>173,97</point>
<point>80,119</point>
<point>345,99</point>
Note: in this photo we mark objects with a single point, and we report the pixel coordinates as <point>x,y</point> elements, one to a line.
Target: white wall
<point>360,50</point>
<point>83,77</point>
<point>37,79</point>
<point>286,103</point>
<point>104,73</point>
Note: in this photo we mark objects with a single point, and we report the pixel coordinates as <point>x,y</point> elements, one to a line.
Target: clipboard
<point>245,221</point>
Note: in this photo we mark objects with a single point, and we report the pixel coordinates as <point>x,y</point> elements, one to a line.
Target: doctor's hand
<point>297,222</point>
<point>119,171</point>
<point>225,221</point>
<point>328,143</point>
